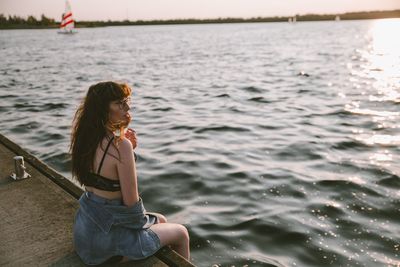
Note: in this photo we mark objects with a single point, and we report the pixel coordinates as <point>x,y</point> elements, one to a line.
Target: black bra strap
<point>105,152</point>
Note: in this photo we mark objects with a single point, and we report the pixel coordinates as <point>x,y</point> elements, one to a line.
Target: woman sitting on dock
<point>111,224</point>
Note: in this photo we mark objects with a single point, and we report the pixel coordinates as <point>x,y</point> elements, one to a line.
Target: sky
<point>179,9</point>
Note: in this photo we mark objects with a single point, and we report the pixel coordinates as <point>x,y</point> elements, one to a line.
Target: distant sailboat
<point>67,25</point>
<point>337,18</point>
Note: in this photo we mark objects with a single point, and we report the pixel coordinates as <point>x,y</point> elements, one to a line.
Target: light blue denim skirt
<point>105,228</point>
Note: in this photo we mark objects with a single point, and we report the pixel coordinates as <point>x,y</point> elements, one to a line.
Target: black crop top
<point>100,182</point>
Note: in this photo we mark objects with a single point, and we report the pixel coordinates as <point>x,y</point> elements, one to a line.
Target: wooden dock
<point>37,216</point>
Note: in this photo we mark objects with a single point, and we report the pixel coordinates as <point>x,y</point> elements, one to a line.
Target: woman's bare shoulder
<point>118,148</point>
<point>125,146</point>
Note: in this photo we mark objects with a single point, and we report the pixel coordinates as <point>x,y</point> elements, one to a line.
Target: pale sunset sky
<point>178,9</point>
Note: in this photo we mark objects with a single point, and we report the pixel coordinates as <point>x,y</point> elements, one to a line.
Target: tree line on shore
<point>16,22</point>
<point>29,22</point>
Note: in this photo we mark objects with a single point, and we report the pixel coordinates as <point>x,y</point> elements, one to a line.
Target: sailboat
<point>67,25</point>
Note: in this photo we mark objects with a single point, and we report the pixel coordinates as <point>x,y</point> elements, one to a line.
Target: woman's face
<point>119,111</point>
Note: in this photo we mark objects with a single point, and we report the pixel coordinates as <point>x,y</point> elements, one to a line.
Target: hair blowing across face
<point>90,125</point>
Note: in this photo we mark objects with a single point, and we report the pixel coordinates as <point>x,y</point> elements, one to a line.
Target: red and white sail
<point>67,22</point>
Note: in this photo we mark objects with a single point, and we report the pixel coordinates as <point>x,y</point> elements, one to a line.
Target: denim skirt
<point>105,228</point>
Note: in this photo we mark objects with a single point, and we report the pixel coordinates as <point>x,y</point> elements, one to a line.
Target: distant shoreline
<point>14,22</point>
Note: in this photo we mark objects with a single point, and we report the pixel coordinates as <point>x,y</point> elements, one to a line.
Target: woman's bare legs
<point>174,235</point>
<point>170,234</point>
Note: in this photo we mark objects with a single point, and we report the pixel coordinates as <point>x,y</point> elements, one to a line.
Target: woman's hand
<point>131,136</point>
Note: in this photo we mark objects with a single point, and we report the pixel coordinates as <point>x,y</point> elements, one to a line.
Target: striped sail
<point>67,22</point>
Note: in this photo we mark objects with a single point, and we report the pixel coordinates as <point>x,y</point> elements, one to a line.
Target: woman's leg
<point>174,235</point>
<point>170,234</point>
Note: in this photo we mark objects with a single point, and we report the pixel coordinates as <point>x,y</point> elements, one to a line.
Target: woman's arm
<point>126,169</point>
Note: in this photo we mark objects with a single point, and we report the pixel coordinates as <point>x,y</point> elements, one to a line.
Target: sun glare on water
<point>384,56</point>
<point>386,36</point>
<point>378,81</point>
<point>384,67</point>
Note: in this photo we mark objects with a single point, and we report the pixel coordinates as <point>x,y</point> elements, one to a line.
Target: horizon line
<point>223,18</point>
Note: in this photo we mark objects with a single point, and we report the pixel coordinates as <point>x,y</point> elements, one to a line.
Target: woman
<point>111,224</point>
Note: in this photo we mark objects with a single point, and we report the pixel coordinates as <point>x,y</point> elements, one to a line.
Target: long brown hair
<point>90,125</point>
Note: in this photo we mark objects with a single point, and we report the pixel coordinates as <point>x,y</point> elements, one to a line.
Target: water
<point>276,144</point>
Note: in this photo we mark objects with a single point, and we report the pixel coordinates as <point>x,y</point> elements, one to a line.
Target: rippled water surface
<point>276,144</point>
